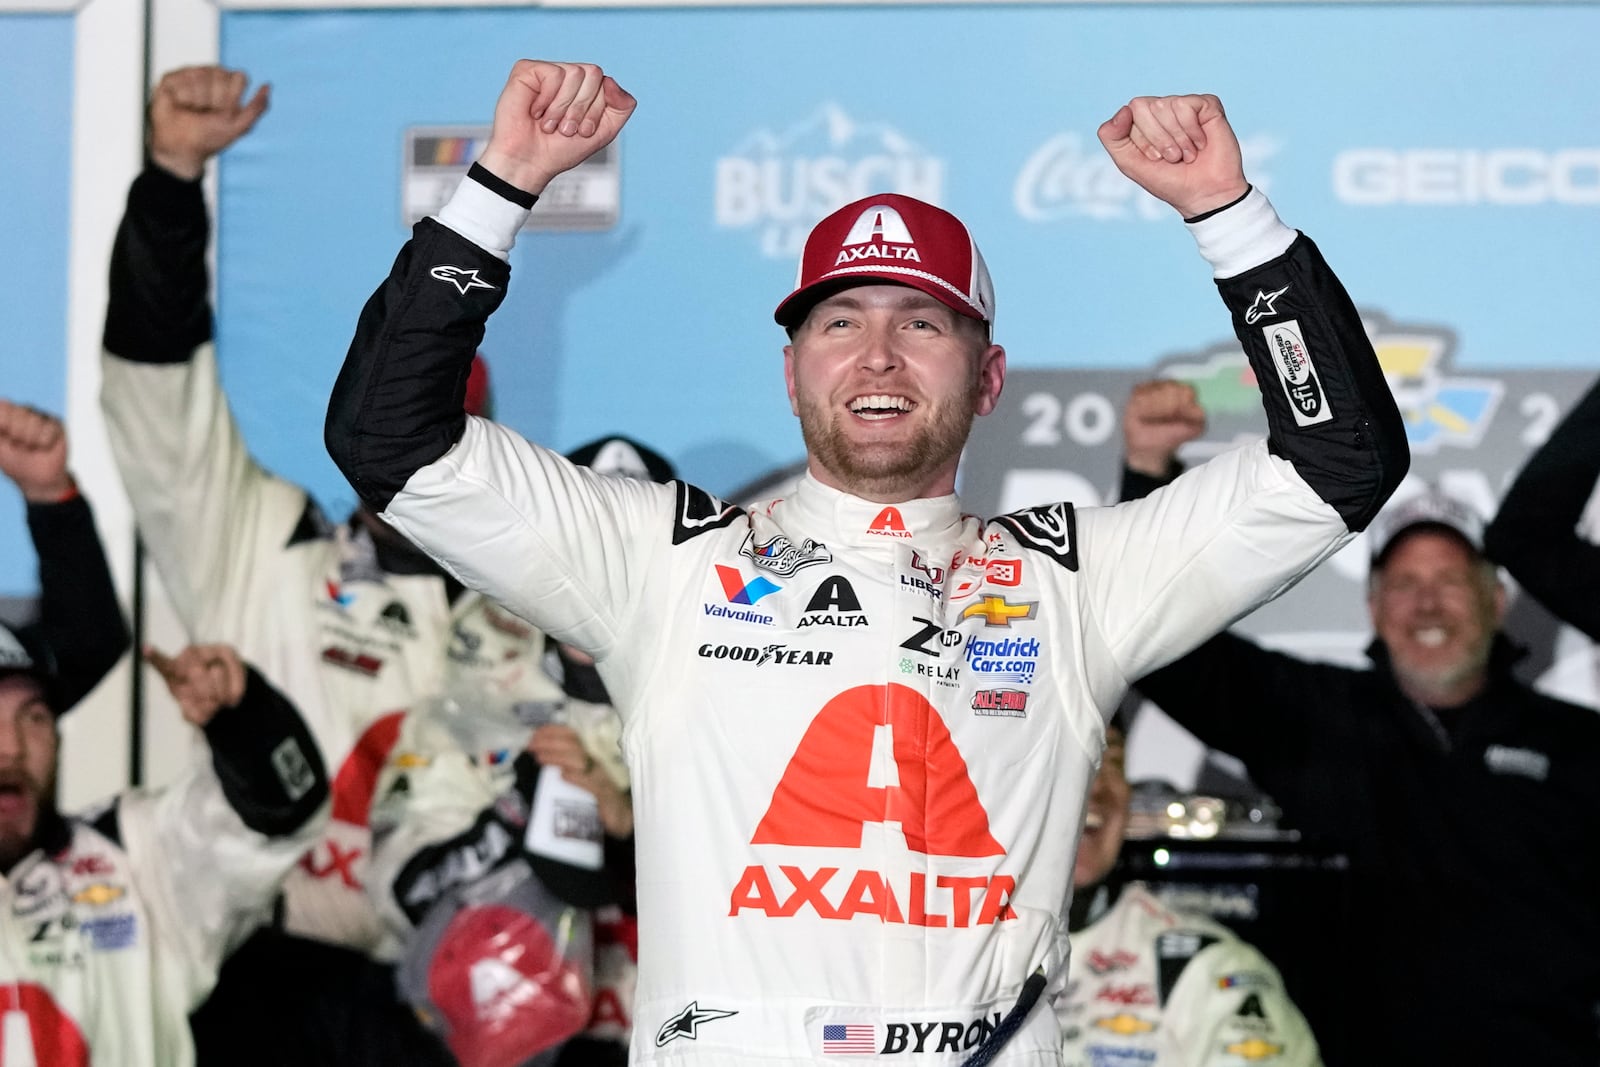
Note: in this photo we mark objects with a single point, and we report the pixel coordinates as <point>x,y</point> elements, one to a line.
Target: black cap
<point>18,655</point>
<point>625,456</point>
<point>1431,510</point>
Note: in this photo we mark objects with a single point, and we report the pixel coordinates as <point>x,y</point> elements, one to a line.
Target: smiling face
<point>1105,821</point>
<point>1436,604</point>
<point>886,381</point>
<point>28,742</point>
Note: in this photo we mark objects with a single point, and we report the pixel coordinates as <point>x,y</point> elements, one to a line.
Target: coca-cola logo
<point>1070,176</point>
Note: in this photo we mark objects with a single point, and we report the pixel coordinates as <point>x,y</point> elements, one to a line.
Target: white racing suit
<point>249,560</point>
<point>1162,988</point>
<point>860,736</point>
<point>112,931</point>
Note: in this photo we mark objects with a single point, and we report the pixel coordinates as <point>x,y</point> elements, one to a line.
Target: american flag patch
<point>848,1037</point>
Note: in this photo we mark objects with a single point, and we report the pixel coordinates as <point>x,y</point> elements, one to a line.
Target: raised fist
<point>1161,416</point>
<point>33,453</point>
<point>1180,149</point>
<point>203,679</point>
<point>196,112</point>
<point>550,117</point>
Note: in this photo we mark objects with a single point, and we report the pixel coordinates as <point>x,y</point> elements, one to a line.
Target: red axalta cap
<point>503,988</point>
<point>897,239</point>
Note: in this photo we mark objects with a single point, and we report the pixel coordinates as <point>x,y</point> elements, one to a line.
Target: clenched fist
<point>203,679</point>
<point>1180,149</point>
<point>550,117</point>
<point>1161,416</point>
<point>196,112</point>
<point>33,453</point>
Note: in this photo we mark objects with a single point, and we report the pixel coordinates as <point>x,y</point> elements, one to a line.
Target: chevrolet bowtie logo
<point>1253,1049</point>
<point>998,611</point>
<point>98,894</point>
<point>1125,1024</point>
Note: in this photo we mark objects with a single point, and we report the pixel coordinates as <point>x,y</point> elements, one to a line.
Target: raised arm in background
<point>1535,534</point>
<point>80,623</point>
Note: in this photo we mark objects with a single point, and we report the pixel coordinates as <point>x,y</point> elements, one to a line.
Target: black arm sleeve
<point>269,765</point>
<point>396,405</point>
<point>80,622</point>
<point>1535,535</point>
<point>494,839</point>
<point>1136,484</point>
<point>1329,411</point>
<point>159,310</point>
<point>1241,699</point>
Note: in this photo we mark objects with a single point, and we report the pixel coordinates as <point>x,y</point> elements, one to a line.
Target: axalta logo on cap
<point>879,232</point>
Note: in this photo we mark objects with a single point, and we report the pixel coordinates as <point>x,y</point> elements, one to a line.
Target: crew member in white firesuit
<point>116,922</point>
<point>350,621</point>
<point>1154,986</point>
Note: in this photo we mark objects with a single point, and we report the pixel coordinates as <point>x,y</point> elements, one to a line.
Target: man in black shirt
<point>1468,803</point>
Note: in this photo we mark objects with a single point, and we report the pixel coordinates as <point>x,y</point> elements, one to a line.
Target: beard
<point>1447,677</point>
<point>896,469</point>
<point>19,834</point>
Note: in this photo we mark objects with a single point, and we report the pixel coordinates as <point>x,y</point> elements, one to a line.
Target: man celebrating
<point>120,920</point>
<point>1157,986</point>
<point>861,843</point>
<point>1465,800</point>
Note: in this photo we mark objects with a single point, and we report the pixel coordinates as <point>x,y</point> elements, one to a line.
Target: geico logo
<point>1467,176</point>
<point>952,1037</point>
<point>948,900</point>
<point>777,654</point>
<point>801,190</point>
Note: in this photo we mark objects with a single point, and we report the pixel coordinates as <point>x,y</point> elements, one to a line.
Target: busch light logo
<point>1070,176</point>
<point>779,184</point>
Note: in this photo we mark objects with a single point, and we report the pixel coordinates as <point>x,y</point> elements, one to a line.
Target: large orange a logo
<point>824,798</point>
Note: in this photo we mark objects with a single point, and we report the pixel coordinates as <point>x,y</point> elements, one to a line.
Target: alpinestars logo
<point>686,1024</point>
<point>877,754</point>
<point>778,184</point>
<point>463,278</point>
<point>1262,306</point>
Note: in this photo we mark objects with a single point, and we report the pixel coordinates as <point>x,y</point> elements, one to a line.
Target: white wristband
<point>1243,236</point>
<point>483,217</point>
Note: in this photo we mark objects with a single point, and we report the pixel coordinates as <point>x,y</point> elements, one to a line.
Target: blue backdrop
<point>36,131</point>
<point>1373,127</point>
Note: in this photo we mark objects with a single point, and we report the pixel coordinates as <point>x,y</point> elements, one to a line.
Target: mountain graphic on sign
<point>829,128</point>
